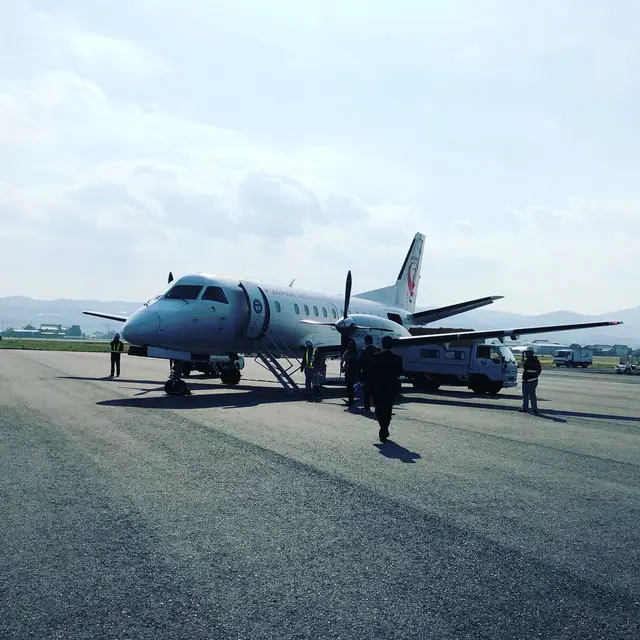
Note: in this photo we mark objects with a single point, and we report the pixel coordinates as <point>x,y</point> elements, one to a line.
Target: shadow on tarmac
<point>225,397</point>
<point>391,449</point>
<point>246,395</point>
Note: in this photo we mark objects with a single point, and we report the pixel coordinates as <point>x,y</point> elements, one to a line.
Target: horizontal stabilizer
<point>107,316</point>
<point>445,338</point>
<point>432,315</point>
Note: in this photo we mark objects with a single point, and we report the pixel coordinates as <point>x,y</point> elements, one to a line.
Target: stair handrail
<point>267,360</point>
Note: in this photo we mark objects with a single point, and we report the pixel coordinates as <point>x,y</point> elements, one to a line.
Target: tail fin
<point>404,292</point>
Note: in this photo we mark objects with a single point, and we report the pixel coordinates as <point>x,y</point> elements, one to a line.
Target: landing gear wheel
<point>230,376</point>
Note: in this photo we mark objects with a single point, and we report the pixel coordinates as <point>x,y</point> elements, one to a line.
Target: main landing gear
<point>176,386</point>
<point>230,376</point>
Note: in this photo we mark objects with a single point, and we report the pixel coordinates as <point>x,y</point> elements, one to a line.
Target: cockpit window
<point>215,294</point>
<point>184,292</point>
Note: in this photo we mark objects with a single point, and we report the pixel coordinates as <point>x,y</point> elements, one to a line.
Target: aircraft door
<point>258,310</point>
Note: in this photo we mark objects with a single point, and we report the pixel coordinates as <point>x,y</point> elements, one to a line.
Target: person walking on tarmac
<point>308,366</point>
<point>364,370</point>
<point>386,368</point>
<point>531,370</point>
<point>116,347</point>
<point>349,366</point>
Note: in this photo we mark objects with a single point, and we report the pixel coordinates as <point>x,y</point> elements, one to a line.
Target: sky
<point>289,139</point>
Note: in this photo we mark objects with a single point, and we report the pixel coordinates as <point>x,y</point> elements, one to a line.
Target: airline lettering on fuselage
<point>289,294</point>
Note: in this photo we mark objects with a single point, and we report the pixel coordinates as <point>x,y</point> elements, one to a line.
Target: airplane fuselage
<point>203,313</point>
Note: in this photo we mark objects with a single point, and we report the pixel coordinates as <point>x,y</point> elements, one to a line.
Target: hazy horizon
<point>293,141</point>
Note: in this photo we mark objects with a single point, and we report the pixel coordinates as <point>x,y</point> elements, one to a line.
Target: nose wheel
<point>175,385</point>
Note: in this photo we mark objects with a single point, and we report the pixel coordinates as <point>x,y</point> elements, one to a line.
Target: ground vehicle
<point>484,368</point>
<point>628,369</point>
<point>227,368</point>
<point>573,358</point>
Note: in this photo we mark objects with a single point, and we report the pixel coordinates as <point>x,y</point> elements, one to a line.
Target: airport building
<point>45,331</point>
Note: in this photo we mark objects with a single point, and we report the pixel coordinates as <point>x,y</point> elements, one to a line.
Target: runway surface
<point>238,513</point>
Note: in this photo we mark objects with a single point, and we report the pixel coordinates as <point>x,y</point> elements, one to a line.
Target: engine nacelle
<point>361,324</point>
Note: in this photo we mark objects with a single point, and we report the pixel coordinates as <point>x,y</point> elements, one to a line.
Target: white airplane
<point>202,315</point>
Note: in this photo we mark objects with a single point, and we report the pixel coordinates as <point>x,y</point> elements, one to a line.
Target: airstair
<point>269,349</point>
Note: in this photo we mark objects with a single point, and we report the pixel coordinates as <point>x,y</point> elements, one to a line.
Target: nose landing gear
<point>175,385</point>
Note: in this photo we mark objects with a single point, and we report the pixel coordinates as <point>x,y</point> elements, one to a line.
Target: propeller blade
<point>347,295</point>
<point>170,280</point>
<point>357,326</point>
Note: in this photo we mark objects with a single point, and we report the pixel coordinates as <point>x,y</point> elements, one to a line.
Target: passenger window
<point>306,309</point>
<point>324,312</point>
<point>333,313</point>
<point>184,292</point>
<point>278,307</point>
<point>297,309</point>
<point>215,294</point>
<point>315,310</point>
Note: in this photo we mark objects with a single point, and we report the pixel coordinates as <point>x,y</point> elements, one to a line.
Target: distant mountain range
<point>19,311</point>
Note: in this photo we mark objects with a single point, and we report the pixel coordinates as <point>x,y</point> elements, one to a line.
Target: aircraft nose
<point>141,327</point>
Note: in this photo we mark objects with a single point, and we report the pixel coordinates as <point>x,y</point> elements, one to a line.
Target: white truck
<point>483,368</point>
<point>573,358</point>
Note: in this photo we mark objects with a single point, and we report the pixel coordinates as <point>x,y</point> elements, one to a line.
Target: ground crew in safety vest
<point>531,370</point>
<point>309,367</point>
<point>116,347</point>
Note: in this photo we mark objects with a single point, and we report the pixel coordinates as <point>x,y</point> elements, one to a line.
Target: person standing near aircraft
<point>349,366</point>
<point>531,370</point>
<point>364,369</point>
<point>308,364</point>
<point>386,368</point>
<point>116,347</point>
<point>320,367</point>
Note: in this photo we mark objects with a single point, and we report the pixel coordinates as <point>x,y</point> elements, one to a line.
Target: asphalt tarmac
<point>240,513</point>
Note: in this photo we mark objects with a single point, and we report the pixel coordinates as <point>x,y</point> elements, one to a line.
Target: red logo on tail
<point>412,273</point>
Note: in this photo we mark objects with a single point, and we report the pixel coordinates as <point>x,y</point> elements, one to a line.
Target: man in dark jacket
<point>116,348</point>
<point>386,367</point>
<point>531,369</point>
<point>349,366</point>
<point>364,369</point>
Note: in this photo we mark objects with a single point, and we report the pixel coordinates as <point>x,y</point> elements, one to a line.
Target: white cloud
<point>115,54</point>
<point>279,141</point>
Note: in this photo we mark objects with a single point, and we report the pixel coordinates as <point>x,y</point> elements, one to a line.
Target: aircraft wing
<point>431,315</point>
<point>108,316</point>
<point>444,338</point>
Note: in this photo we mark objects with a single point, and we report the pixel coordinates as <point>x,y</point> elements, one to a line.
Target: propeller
<point>347,295</point>
<point>346,325</point>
